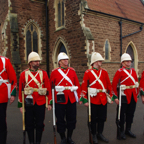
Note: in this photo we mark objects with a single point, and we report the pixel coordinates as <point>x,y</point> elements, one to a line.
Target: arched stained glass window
<point>31,39</point>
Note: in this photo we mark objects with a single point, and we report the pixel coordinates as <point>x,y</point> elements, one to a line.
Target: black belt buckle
<point>60,97</point>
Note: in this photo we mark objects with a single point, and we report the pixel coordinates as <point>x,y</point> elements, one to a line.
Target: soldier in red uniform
<point>36,88</point>
<point>142,87</point>
<point>8,83</point>
<point>99,84</point>
<point>126,77</point>
<point>67,93</point>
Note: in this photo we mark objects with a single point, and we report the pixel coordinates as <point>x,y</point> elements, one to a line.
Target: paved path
<point>80,136</point>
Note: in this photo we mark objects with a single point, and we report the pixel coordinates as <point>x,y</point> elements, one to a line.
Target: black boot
<point>128,131</point>
<point>100,130</point>
<point>63,138</point>
<point>95,140</point>
<point>31,136</point>
<point>3,137</point>
<point>69,135</point>
<point>120,132</point>
<point>38,136</point>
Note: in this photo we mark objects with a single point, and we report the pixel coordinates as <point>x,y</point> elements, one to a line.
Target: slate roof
<point>130,9</point>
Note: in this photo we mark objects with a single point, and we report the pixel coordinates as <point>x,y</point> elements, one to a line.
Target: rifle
<point>23,116</point>
<point>119,111</point>
<point>89,116</point>
<point>54,125</point>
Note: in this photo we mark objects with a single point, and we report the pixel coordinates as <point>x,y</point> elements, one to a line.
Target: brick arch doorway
<point>131,53</point>
<point>60,47</point>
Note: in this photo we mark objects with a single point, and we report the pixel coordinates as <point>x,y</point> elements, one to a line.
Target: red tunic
<point>8,74</point>
<point>56,77</point>
<point>119,77</point>
<point>100,98</point>
<point>38,99</point>
<point>142,84</point>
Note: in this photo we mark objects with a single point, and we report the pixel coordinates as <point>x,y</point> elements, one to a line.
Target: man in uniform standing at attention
<point>126,77</point>
<point>66,95</point>
<point>142,87</point>
<point>8,83</point>
<point>99,84</point>
<point>36,87</point>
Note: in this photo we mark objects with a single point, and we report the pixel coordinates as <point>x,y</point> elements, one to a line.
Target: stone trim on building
<point>56,15</point>
<point>109,51</point>
<point>56,51</point>
<point>40,35</point>
<point>135,56</point>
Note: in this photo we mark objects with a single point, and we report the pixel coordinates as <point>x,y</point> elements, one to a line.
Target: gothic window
<point>131,53</point>
<point>62,49</point>
<point>31,39</point>
<point>107,50</point>
<point>60,13</point>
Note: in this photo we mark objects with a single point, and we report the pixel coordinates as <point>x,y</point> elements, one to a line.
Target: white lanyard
<point>33,78</point>
<point>3,60</point>
<point>129,76</point>
<point>68,79</point>
<point>97,78</point>
<point>62,78</point>
<point>65,76</point>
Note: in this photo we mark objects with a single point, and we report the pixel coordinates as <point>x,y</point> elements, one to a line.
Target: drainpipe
<point>121,37</point>
<point>120,23</point>
<point>47,48</point>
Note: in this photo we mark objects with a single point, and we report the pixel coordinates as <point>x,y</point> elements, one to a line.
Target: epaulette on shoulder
<point>55,69</point>
<point>133,69</point>
<point>25,70</point>
<point>72,68</point>
<point>4,57</point>
<point>120,69</point>
<point>88,70</point>
<point>104,69</point>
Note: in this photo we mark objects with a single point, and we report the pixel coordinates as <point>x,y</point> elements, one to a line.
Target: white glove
<point>73,88</point>
<point>137,84</point>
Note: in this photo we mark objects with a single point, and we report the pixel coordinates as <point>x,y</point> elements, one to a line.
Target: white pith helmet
<point>33,56</point>
<point>96,57</point>
<point>125,57</point>
<point>62,55</point>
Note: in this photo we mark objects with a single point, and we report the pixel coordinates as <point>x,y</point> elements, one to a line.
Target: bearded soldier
<point>126,77</point>
<point>8,83</point>
<point>100,85</point>
<point>66,95</point>
<point>36,87</point>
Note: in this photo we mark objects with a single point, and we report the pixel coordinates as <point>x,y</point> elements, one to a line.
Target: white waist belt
<point>3,81</point>
<point>124,87</point>
<point>62,88</point>
<point>94,91</point>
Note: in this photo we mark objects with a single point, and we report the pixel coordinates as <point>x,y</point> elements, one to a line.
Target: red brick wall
<point>72,35</point>
<point>27,10</point>
<point>103,28</point>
